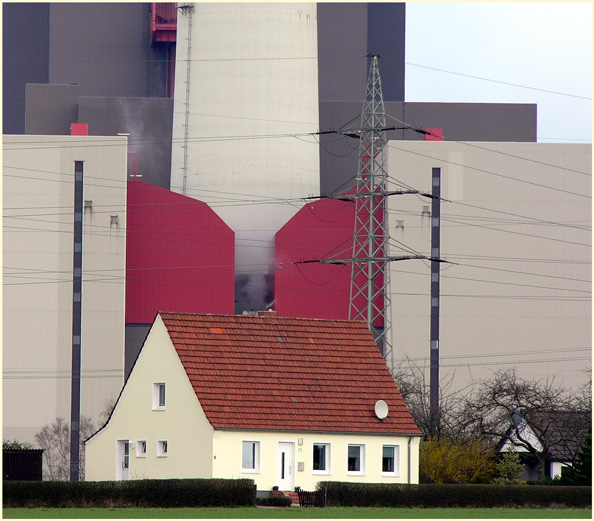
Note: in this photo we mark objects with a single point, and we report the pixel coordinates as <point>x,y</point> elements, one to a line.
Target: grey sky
<point>546,46</point>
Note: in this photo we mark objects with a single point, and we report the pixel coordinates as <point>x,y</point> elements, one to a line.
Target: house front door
<point>286,465</point>
<point>123,460</point>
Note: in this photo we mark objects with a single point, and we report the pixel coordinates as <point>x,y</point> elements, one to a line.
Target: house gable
<point>283,374</point>
<point>138,416</point>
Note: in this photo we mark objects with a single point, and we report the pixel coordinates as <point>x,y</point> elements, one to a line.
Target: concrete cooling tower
<point>246,92</point>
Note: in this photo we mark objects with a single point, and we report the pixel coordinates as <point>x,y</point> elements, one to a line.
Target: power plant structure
<point>246,98</point>
<point>222,104</point>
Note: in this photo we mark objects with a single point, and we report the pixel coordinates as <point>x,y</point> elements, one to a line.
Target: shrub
<point>275,501</point>
<point>16,445</point>
<point>510,469</point>
<point>164,493</point>
<point>445,461</point>
<point>450,496</point>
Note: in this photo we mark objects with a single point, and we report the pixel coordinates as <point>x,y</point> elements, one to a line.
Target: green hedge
<point>436,496</point>
<point>275,501</point>
<point>164,493</point>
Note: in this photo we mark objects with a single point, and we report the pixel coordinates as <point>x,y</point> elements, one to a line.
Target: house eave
<point>306,431</point>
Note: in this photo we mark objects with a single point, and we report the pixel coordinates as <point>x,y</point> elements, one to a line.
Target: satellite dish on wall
<point>381,409</point>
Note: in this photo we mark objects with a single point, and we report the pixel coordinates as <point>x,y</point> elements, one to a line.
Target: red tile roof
<point>287,374</point>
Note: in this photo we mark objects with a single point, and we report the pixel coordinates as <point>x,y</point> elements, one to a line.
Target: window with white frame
<point>250,456</point>
<point>162,448</point>
<point>159,396</point>
<point>391,460</point>
<point>321,458</point>
<point>356,459</point>
<point>141,448</point>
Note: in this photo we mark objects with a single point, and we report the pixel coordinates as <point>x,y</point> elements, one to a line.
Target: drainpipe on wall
<point>409,459</point>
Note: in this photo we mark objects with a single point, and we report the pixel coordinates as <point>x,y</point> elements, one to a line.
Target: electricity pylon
<point>370,275</point>
<point>369,294</point>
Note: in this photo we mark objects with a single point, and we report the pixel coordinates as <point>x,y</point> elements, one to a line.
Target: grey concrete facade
<point>347,33</point>
<point>459,122</point>
<point>50,109</point>
<point>25,58</point>
<point>102,47</point>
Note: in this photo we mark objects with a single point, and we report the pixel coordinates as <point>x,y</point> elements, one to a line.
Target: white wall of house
<point>516,224</point>
<point>267,474</point>
<point>556,468</point>
<point>137,418</point>
<point>38,216</point>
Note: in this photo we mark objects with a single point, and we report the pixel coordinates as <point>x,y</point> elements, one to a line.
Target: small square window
<point>141,449</point>
<point>356,459</point>
<point>158,396</point>
<point>250,456</point>
<point>391,460</point>
<point>162,448</point>
<point>321,458</point>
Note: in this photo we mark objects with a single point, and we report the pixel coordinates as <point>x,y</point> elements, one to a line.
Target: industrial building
<point>514,287</point>
<point>38,299</point>
<point>115,71</point>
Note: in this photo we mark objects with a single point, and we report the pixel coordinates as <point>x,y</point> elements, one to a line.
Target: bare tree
<point>54,439</point>
<point>536,416</point>
<point>414,388</point>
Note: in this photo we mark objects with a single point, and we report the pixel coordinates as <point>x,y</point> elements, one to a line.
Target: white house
<point>556,434</point>
<point>287,402</point>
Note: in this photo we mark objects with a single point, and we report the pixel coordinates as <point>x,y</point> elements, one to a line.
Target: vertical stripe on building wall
<point>435,252</point>
<point>76,322</point>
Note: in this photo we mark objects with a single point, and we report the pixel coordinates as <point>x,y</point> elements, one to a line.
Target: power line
<point>392,144</point>
<point>498,81</point>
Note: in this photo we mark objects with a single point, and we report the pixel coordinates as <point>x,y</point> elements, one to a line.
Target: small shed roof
<point>287,374</point>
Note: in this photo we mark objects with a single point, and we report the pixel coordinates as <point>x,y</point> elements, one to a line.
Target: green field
<point>295,513</point>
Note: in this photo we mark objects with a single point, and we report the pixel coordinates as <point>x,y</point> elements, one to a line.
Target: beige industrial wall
<point>38,198</point>
<point>516,227</point>
<point>253,84</point>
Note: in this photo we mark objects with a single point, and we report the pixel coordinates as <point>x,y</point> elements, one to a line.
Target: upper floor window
<point>356,459</point>
<point>250,456</point>
<point>321,458</point>
<point>158,396</point>
<point>391,460</point>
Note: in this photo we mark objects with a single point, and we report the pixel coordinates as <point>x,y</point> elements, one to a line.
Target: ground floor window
<point>391,459</point>
<point>321,458</point>
<point>250,456</point>
<point>356,459</point>
<point>141,449</point>
<point>162,448</point>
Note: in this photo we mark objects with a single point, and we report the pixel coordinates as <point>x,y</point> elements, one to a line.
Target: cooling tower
<point>246,95</point>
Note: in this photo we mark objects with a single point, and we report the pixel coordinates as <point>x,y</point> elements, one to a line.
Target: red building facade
<point>312,289</point>
<point>179,256</point>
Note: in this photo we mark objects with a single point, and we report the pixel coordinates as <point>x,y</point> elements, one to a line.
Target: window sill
<point>250,471</point>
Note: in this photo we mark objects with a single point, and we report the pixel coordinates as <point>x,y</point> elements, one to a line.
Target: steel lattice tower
<point>369,295</point>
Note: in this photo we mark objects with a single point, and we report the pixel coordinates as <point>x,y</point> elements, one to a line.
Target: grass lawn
<point>295,513</point>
